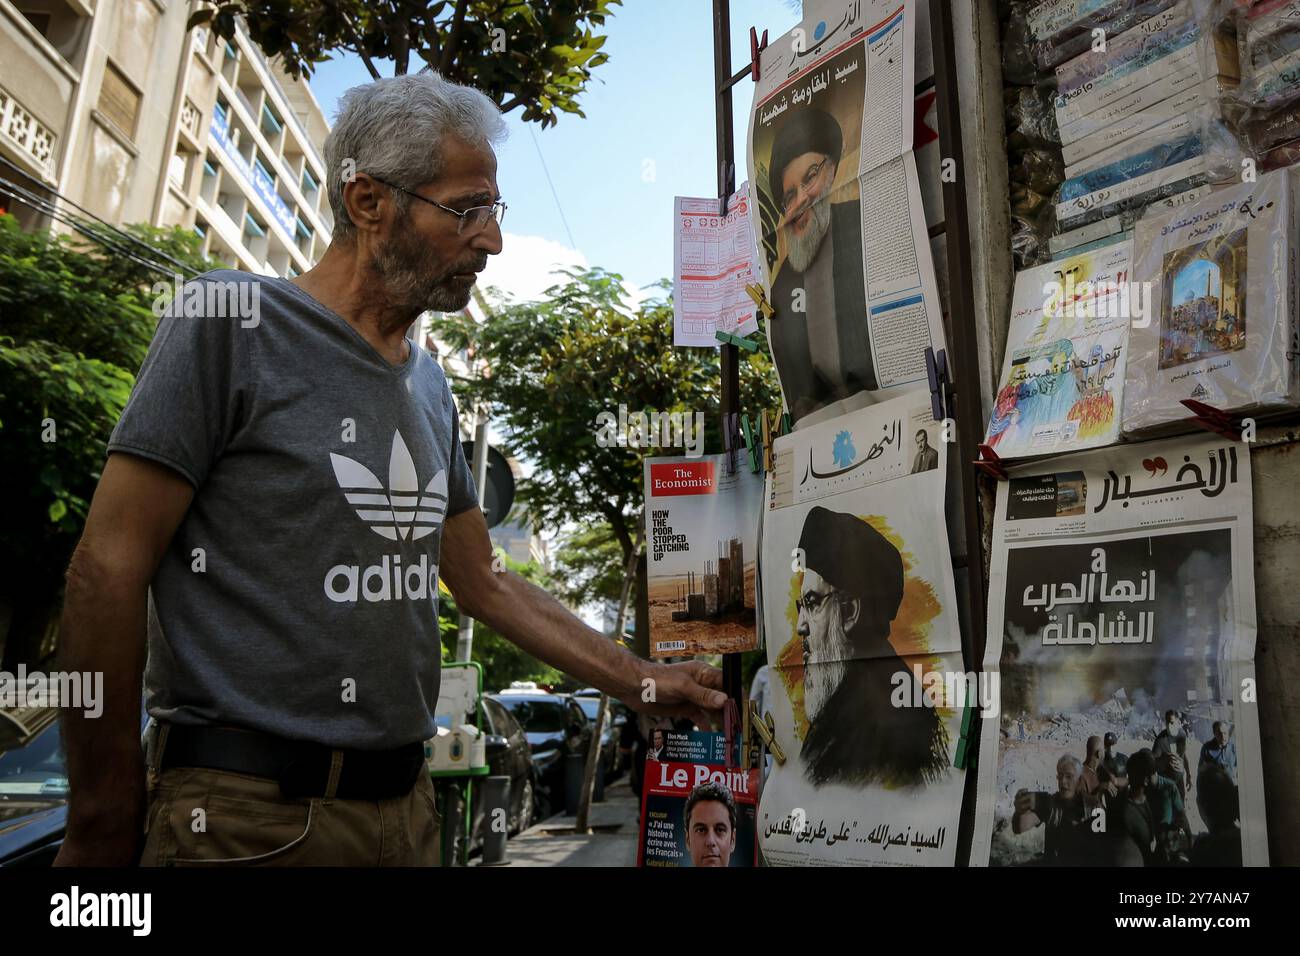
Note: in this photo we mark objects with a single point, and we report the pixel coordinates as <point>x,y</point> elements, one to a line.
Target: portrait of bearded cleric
<point>820,339</point>
<point>851,592</point>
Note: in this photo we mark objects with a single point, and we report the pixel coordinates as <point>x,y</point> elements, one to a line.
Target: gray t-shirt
<point>299,595</point>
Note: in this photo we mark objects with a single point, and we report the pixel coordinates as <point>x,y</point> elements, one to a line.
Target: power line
<point>572,245</point>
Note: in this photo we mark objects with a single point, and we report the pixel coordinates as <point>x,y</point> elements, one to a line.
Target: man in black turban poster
<point>819,335</point>
<point>851,592</point>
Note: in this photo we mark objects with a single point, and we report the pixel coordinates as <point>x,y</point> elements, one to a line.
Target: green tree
<point>587,566</point>
<point>502,661</point>
<point>557,364</point>
<point>75,324</point>
<point>538,56</point>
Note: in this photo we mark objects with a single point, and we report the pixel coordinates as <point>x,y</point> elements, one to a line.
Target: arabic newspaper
<point>713,262</point>
<point>860,623</point>
<point>1122,628</point>
<point>701,525</point>
<point>694,810</point>
<point>1063,378</point>
<point>844,251</point>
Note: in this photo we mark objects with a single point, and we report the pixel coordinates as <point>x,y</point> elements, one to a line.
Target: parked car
<point>33,786</point>
<point>555,726</point>
<point>609,757</point>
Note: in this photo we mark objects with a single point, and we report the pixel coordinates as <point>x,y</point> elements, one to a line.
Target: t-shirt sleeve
<point>461,492</point>
<point>187,398</point>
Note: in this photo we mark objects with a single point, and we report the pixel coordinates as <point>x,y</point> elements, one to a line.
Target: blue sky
<point>648,136</point>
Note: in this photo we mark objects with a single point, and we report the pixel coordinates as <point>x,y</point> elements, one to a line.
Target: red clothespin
<point>756,48</point>
<point>990,463</point>
<point>1213,420</point>
<point>730,729</point>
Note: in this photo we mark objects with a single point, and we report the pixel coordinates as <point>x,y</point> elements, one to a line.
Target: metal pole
<point>465,636</point>
<point>726,154</point>
<point>496,816</point>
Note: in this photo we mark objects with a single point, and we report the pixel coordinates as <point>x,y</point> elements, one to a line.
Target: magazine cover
<point>695,811</point>
<point>860,621</point>
<point>701,531</point>
<point>1222,275</point>
<point>1122,629</point>
<point>1063,378</point>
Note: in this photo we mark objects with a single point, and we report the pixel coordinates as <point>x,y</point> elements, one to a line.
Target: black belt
<point>301,768</point>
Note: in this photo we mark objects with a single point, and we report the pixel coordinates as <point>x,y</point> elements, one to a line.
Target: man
<point>851,591</point>
<point>1170,752</point>
<point>926,457</point>
<point>1217,800</point>
<point>1114,762</point>
<point>1067,815</point>
<point>281,497</point>
<point>659,740</point>
<point>1153,806</point>
<point>710,816</point>
<point>1219,751</point>
<point>1093,773</point>
<point>820,336</point>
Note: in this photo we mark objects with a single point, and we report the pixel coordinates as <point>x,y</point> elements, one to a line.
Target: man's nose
<point>490,240</point>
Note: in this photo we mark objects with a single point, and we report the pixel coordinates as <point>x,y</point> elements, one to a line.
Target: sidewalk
<point>553,842</point>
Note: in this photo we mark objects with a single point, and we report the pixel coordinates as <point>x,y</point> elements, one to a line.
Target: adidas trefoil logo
<point>401,511</point>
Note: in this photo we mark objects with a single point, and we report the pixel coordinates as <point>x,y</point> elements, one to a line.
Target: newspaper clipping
<point>713,259</point>
<point>860,624</point>
<point>1122,626</point>
<point>844,249</point>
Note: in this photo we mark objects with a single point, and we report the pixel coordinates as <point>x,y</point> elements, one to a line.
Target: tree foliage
<point>557,364</point>
<point>538,56</point>
<point>75,324</point>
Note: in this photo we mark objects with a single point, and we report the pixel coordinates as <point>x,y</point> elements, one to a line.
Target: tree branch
<point>510,104</point>
<point>448,52</point>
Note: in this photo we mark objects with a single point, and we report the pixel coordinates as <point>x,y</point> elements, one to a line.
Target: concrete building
<point>114,106</point>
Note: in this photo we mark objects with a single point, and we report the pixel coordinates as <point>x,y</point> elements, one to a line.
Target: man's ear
<point>850,610</point>
<point>362,197</point>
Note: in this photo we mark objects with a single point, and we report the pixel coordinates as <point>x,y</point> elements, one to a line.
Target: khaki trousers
<point>216,818</point>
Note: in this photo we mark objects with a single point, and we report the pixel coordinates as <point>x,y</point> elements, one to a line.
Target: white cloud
<point>526,267</point>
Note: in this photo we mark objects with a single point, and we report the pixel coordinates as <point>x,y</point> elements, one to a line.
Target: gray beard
<point>825,667</point>
<point>803,249</point>
<point>411,281</point>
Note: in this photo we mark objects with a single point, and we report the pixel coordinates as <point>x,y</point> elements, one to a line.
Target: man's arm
<point>136,509</point>
<point>546,629</point>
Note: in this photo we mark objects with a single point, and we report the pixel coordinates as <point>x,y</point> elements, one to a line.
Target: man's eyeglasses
<point>809,178</point>
<point>811,601</point>
<point>472,220</point>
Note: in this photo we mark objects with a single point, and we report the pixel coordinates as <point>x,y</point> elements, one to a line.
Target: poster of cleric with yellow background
<point>861,626</point>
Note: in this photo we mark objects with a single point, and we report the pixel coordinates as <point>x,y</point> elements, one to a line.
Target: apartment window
<point>261,168</point>
<point>252,227</point>
<point>119,100</point>
<point>271,124</point>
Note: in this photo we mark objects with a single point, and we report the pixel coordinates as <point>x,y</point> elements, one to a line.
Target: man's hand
<point>692,689</point>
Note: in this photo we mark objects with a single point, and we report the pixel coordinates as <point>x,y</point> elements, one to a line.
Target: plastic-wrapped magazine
<point>1052,51</point>
<point>1222,276</point>
<point>1120,225</point>
<point>1121,638</point>
<point>1063,377</point>
<point>1269,40</point>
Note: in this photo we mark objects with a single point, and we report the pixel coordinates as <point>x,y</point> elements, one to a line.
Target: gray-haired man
<point>280,499</point>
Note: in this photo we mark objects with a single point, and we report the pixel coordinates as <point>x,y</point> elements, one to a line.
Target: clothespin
<point>747,431</point>
<point>749,345</point>
<point>1214,420</point>
<point>766,730</point>
<point>730,727</point>
<point>787,424</point>
<point>962,757</point>
<point>760,300</point>
<point>936,371</point>
<point>730,439</point>
<point>989,463</point>
<point>756,48</point>
<point>767,441</point>
<point>726,175</point>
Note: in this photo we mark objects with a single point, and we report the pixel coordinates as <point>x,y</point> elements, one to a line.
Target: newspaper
<point>1063,379</point>
<point>1122,628</point>
<point>701,530</point>
<point>713,262</point>
<point>844,249</point>
<point>859,619</point>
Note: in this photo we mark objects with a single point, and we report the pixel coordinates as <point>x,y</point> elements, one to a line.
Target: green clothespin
<point>754,452</point>
<point>961,758</point>
<point>739,341</point>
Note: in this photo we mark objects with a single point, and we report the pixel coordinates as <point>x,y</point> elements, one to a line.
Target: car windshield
<point>36,770</point>
<point>589,705</point>
<point>536,716</point>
